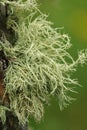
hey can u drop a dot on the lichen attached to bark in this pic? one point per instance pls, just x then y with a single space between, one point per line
39 63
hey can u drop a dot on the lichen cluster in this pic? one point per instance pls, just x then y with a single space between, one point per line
39 63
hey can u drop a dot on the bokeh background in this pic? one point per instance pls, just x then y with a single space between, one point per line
72 16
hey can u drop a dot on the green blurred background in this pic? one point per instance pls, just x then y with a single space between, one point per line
72 15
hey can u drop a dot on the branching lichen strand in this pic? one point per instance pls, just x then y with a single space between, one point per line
38 66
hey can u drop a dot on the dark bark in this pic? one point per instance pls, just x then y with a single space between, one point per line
9 33
12 122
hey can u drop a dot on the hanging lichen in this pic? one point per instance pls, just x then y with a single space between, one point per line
39 63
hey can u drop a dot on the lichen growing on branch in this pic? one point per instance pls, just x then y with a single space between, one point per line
39 64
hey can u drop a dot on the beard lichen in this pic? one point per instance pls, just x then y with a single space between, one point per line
39 63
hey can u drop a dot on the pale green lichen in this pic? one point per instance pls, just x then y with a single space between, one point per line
3 110
39 64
